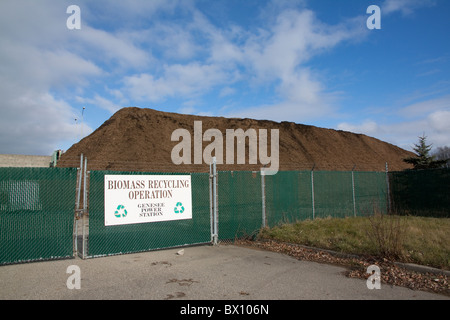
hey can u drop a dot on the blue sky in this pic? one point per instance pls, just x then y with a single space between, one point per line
311 62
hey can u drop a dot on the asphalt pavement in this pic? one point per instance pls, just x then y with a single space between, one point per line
224 272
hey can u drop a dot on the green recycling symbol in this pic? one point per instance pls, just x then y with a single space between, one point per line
179 208
121 212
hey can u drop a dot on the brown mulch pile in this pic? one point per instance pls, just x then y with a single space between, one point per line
140 139
391 274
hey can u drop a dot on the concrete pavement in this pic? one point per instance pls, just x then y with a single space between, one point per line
224 272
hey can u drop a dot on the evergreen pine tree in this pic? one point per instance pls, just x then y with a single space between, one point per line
423 160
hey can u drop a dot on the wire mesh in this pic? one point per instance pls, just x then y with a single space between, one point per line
371 193
333 196
109 240
421 192
288 197
37 207
36 213
239 194
301 195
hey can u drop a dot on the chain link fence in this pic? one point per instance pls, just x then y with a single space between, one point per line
288 197
421 192
36 213
110 240
239 204
291 196
249 200
38 207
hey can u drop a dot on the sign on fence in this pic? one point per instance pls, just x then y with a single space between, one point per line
133 199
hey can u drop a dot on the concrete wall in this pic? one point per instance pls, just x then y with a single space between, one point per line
16 160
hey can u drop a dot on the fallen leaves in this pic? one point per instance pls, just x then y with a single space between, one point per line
391 273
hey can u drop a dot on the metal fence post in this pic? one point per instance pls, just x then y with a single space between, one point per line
213 199
211 205
84 185
353 190
79 184
77 206
388 191
84 207
263 197
312 193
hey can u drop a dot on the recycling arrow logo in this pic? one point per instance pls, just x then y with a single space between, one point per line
121 212
179 208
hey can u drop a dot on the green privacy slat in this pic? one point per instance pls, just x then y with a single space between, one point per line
37 207
36 213
421 192
301 195
109 240
288 197
239 203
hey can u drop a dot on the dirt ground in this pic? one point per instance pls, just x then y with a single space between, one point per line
140 140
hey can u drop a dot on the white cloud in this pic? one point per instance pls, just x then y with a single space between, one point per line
174 42
401 132
114 48
368 127
146 58
33 120
43 61
405 7
279 54
130 11
33 68
422 108
100 102
177 80
275 54
227 91
294 39
303 99
440 122
35 123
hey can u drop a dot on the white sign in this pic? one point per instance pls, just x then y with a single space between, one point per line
145 198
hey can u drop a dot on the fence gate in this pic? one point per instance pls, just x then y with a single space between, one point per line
97 239
36 214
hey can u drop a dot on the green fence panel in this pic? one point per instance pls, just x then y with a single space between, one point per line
288 197
333 195
109 240
240 204
37 207
36 213
370 193
421 192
